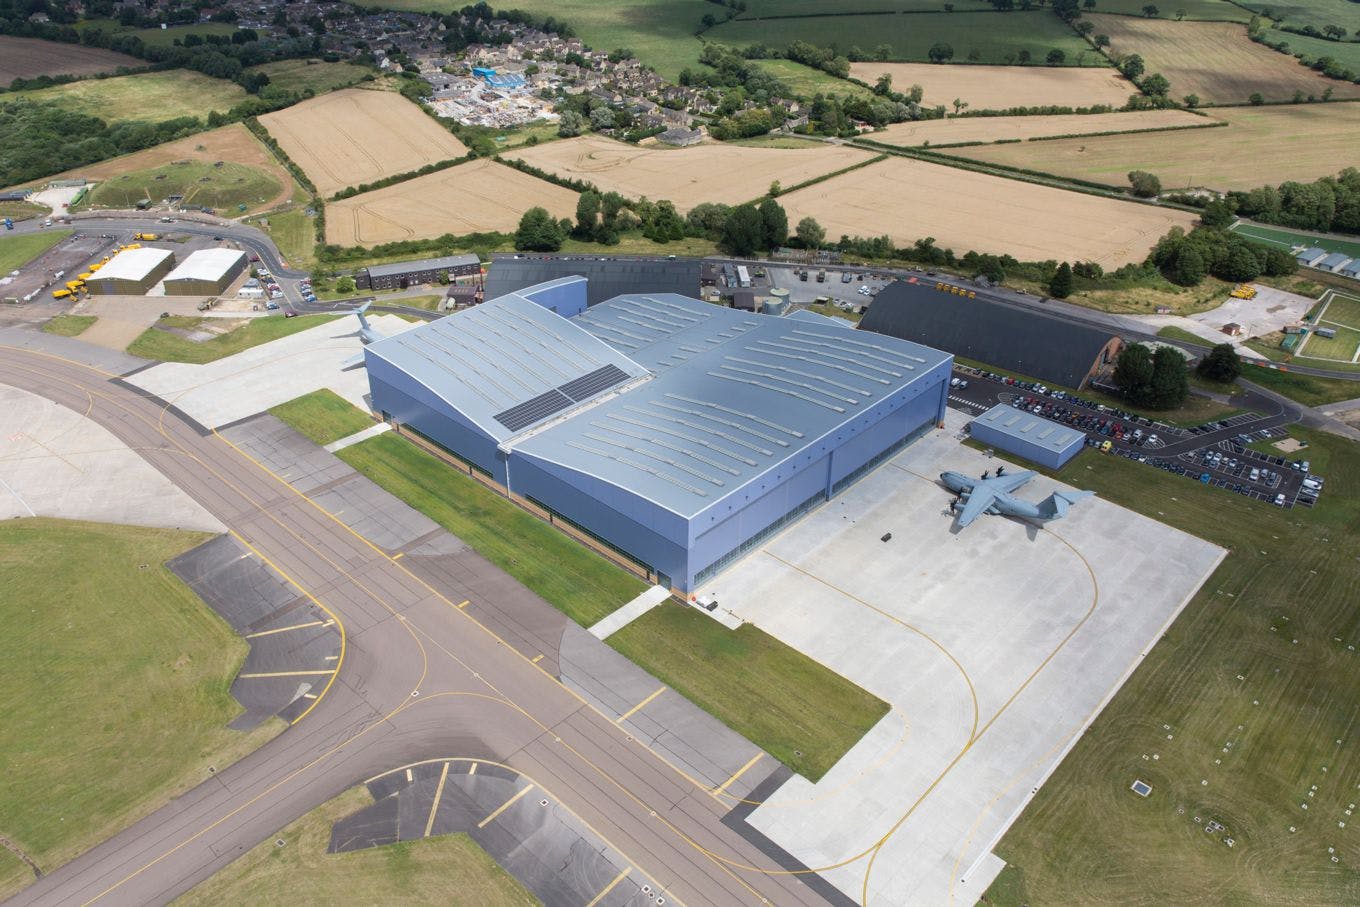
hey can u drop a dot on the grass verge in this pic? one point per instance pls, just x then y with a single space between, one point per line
1171 332
17 211
322 416
1305 389
805 715
1262 658
116 683
570 577
17 251
69 325
164 346
301 872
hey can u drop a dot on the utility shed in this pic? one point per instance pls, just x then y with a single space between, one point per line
1035 438
996 333
607 277
131 272
206 272
676 432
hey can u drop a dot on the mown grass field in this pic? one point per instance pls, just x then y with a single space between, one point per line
805 715
442 869
804 81
69 325
978 37
116 683
164 346
1346 52
322 416
293 232
1195 10
1288 239
1317 13
1306 389
159 37
316 76
1341 347
17 251
223 187
150 97
1255 690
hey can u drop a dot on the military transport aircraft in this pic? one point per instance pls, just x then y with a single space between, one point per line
993 495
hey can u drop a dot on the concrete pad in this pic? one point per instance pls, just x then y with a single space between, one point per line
56 462
1270 311
630 612
995 646
113 362
253 380
122 319
350 440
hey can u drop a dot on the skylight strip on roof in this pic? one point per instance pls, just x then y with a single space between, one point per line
679 483
817 359
736 412
537 338
439 365
793 371
720 420
469 355
423 337
835 356
702 442
778 390
867 345
803 384
637 436
652 455
676 311
841 346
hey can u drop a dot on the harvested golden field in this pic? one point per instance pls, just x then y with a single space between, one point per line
1214 60
731 174
991 129
1004 87
233 144
354 136
475 197
28 58
1260 145
909 200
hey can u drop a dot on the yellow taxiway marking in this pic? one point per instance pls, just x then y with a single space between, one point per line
310 623
536 659
464 603
290 673
610 887
399 555
503 807
629 714
438 795
741 771
472 769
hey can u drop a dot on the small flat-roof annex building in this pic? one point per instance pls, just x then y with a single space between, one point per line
206 272
423 270
676 432
1035 438
131 272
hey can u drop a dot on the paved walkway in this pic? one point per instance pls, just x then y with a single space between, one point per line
629 612
371 432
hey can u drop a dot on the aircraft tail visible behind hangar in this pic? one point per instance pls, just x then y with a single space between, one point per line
1054 507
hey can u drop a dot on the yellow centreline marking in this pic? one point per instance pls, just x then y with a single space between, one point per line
610 887
399 555
438 795
310 623
464 603
289 673
504 806
536 659
629 714
741 771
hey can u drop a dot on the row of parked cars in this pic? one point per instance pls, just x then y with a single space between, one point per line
1070 400
1089 422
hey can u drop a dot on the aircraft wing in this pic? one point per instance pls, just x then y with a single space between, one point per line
978 502
1012 481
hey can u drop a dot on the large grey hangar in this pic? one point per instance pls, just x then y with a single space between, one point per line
676 432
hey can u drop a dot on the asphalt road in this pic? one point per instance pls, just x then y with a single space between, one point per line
419 678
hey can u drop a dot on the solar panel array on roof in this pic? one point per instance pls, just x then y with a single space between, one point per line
549 403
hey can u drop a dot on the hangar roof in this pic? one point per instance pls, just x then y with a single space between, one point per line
607 277
1020 340
133 264
508 364
1027 427
206 264
735 395
422 264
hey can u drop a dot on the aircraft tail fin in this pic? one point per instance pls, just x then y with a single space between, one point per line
360 312
1054 507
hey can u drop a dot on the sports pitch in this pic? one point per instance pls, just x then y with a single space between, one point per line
1342 315
995 646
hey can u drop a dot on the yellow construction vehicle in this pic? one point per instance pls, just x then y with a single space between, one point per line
1243 291
61 294
74 284
85 275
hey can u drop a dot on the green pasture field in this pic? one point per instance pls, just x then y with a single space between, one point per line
1250 691
116 683
301 872
1200 10
17 251
315 76
323 416
1343 309
159 37
164 346
1287 239
757 9
996 37
1306 389
200 182
1345 52
149 97
804 81
660 32
1317 13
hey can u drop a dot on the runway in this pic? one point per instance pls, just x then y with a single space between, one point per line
418 678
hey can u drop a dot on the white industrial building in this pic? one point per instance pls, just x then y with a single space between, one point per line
131 272
205 273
